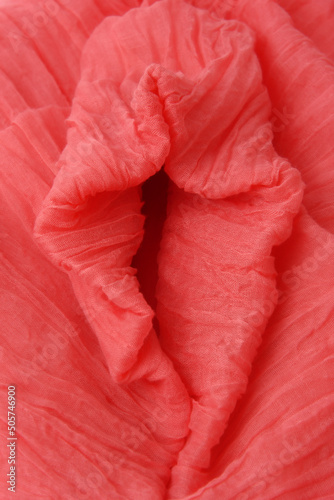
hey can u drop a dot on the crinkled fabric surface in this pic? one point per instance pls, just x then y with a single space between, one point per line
167 219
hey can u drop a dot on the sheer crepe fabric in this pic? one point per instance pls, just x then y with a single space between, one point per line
234 398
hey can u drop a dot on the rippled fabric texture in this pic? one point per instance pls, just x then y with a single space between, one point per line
167 248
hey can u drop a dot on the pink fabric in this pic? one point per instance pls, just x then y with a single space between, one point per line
167 248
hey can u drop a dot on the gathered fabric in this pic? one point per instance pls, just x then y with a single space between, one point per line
166 259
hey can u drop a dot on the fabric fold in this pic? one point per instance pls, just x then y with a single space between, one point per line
231 191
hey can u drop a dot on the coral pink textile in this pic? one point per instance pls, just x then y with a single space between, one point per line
167 218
